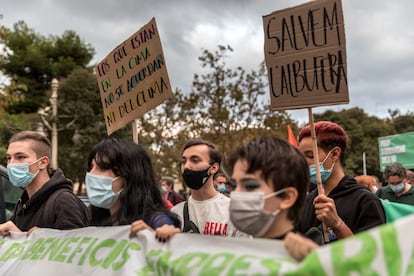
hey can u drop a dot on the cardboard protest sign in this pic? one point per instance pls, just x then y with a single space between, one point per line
133 78
305 55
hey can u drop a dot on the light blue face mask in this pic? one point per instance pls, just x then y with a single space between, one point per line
99 189
221 188
19 174
397 188
325 174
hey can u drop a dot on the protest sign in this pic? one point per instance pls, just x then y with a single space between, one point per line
397 148
133 78
385 250
305 55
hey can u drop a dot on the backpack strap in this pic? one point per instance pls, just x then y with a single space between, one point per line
189 226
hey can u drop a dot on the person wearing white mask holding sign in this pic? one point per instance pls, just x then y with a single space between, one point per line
121 187
47 200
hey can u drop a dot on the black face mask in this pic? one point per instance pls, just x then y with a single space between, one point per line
195 179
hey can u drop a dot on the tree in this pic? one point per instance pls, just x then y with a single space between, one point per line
226 106
363 132
402 122
32 61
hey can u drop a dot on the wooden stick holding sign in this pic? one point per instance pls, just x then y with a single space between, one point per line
135 131
319 184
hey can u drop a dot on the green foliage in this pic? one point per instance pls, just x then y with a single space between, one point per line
33 60
81 122
226 106
363 132
10 124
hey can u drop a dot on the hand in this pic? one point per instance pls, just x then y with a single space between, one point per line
166 232
325 211
31 230
298 246
8 227
137 226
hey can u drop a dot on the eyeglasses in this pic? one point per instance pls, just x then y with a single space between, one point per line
396 182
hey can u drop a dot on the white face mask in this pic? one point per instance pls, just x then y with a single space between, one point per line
247 212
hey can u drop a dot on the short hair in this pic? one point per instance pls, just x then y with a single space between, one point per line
214 153
410 174
280 163
219 174
395 169
329 135
366 180
169 180
42 145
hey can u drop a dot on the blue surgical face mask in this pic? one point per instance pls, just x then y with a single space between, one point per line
19 174
221 188
397 188
325 174
99 189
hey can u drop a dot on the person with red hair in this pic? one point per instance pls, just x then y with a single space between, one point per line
368 181
345 207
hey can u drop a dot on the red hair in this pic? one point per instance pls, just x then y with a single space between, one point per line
328 134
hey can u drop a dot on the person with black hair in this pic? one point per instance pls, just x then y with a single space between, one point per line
121 187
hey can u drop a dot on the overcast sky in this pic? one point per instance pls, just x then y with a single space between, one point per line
379 34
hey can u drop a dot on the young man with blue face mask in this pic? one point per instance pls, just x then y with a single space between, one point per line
397 190
47 200
345 207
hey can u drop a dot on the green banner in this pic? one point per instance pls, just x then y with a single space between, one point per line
397 148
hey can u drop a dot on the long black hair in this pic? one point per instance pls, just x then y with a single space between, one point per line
140 197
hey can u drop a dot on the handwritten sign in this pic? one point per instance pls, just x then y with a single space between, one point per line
133 78
305 55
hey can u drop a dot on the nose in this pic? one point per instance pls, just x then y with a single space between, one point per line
185 165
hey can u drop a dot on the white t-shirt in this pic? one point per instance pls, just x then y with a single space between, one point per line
211 216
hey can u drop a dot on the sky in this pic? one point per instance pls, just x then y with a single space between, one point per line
379 39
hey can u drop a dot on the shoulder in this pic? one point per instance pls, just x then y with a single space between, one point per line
65 196
64 199
178 208
223 197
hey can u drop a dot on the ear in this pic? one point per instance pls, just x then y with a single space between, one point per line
44 162
336 153
288 198
214 168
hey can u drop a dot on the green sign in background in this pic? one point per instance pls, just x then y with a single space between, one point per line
397 148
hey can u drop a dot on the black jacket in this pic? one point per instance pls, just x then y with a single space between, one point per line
53 206
357 206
